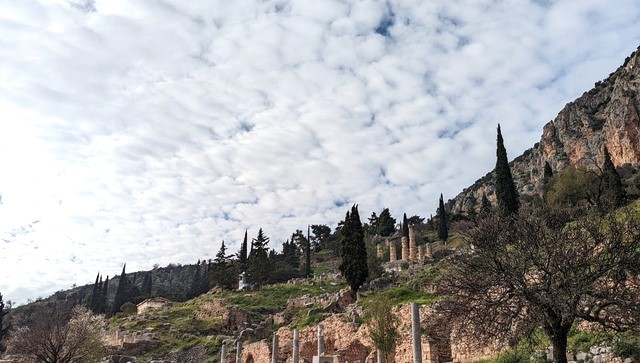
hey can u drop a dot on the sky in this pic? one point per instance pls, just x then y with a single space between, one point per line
147 132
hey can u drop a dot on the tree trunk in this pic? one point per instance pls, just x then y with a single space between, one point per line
559 340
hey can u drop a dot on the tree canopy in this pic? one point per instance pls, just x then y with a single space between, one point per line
353 251
542 269
508 202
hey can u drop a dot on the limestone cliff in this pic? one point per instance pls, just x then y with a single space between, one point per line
608 115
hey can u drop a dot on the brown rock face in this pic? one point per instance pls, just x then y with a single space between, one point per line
608 115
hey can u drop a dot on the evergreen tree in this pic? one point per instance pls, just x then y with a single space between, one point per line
405 226
506 193
485 205
547 173
321 233
258 261
3 329
386 223
196 283
95 295
222 272
242 255
613 191
372 227
147 285
353 251
122 292
307 255
103 287
443 231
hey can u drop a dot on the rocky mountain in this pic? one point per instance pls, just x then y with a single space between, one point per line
607 115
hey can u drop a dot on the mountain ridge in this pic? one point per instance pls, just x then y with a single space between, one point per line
607 115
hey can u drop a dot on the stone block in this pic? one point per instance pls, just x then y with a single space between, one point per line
322 359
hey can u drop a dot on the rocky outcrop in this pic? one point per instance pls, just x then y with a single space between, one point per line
608 115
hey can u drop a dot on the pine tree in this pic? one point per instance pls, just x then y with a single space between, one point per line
121 292
443 231
242 255
353 251
613 191
506 193
405 226
373 223
258 261
386 223
222 272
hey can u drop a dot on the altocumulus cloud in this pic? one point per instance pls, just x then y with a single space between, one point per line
148 132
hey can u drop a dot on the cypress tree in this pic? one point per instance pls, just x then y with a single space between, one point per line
405 226
93 302
102 302
443 231
3 330
547 173
196 283
121 292
242 256
307 255
485 206
613 191
353 251
506 193
147 285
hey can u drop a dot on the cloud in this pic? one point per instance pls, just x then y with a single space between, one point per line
149 132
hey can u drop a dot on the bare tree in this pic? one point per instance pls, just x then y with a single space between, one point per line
543 270
60 336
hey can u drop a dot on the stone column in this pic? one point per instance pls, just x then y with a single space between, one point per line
379 250
392 251
412 244
415 333
320 340
223 352
296 345
420 255
239 352
427 252
274 350
405 249
380 356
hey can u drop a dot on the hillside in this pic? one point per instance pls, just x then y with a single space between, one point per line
607 115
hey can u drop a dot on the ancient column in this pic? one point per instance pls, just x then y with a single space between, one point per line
379 250
274 350
412 244
239 352
392 251
320 340
380 356
427 252
223 352
296 345
420 255
405 249
415 333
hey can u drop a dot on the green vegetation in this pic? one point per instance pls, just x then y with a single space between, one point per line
275 297
508 202
401 295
